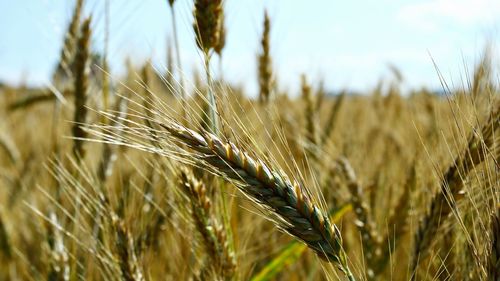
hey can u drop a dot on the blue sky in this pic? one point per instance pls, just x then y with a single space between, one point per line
348 44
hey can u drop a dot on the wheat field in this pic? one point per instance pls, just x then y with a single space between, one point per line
156 176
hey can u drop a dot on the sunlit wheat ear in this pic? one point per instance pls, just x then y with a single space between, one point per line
207 15
267 186
270 188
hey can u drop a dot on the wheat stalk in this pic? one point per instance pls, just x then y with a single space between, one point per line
179 62
169 75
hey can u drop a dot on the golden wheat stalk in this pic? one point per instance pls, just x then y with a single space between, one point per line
179 62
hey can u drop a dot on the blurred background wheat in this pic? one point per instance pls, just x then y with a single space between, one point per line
161 172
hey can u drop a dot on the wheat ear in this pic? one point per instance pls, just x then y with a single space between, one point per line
222 258
208 15
296 213
309 113
265 72
127 259
332 117
221 40
69 46
81 84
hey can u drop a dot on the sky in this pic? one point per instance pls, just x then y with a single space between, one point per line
347 44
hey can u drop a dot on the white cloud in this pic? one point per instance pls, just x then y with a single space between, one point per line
429 15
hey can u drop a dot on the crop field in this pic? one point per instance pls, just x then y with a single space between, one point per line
154 175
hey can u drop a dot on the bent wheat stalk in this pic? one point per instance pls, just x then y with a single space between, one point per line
295 212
